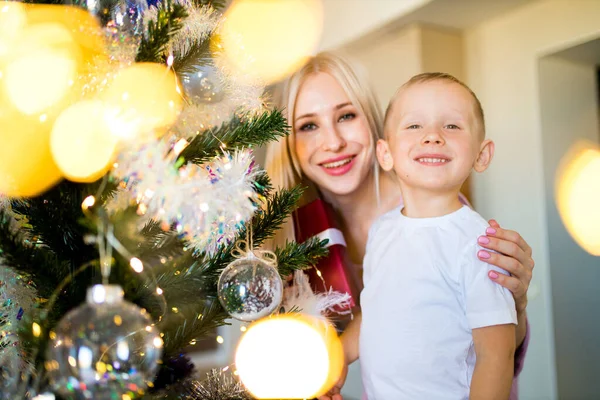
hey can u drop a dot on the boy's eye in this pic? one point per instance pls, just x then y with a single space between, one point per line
346 117
452 126
309 126
413 126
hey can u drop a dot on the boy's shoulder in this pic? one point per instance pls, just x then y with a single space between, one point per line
387 219
472 222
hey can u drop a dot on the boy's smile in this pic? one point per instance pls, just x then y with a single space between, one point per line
434 138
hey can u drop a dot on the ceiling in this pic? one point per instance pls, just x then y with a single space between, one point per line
348 21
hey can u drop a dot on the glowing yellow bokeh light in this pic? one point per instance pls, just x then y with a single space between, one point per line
50 51
270 39
12 21
33 91
26 164
311 363
578 195
81 142
142 98
43 50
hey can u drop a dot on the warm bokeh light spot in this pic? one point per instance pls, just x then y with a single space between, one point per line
270 39
578 195
81 142
311 363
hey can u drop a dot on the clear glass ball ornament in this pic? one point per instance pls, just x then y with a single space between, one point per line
202 85
250 289
103 349
122 21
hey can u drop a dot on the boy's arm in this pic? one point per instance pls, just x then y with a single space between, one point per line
350 343
350 339
494 368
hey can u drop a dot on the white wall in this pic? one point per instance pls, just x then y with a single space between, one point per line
502 67
392 57
569 112
348 20
390 60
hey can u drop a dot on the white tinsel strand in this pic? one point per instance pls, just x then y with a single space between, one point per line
298 295
197 26
205 204
4 202
241 96
201 21
17 297
219 385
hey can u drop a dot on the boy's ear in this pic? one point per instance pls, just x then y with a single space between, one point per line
384 156
486 153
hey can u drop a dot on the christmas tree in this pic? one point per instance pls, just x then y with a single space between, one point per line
172 208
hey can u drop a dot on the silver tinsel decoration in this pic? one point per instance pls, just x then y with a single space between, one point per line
205 204
17 297
219 385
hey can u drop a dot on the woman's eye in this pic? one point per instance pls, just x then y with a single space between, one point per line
347 116
309 126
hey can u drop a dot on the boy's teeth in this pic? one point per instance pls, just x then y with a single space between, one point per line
337 164
432 160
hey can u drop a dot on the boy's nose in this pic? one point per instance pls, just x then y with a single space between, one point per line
433 137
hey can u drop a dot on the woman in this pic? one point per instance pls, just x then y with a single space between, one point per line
335 122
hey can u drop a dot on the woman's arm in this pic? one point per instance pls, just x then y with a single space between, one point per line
513 254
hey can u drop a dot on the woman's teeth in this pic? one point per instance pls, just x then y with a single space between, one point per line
432 160
337 164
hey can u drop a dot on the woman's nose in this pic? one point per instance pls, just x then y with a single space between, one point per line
332 140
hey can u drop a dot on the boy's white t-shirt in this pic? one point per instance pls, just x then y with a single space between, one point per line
424 291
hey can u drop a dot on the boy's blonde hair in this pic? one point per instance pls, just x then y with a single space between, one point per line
430 77
281 162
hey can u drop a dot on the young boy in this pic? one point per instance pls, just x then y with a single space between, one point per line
433 325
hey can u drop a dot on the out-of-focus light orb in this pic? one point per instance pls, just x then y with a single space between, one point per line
268 39
53 46
43 49
81 143
578 195
12 21
26 164
142 99
309 366
32 88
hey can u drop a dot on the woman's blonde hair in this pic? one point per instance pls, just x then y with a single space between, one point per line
281 162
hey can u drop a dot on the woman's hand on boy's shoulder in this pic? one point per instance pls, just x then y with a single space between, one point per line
513 254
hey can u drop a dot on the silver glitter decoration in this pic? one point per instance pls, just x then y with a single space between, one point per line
219 385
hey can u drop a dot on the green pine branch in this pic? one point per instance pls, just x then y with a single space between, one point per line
181 327
198 55
216 4
262 183
296 256
168 23
54 219
36 261
237 134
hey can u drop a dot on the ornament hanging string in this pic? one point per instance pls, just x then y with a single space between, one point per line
244 249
